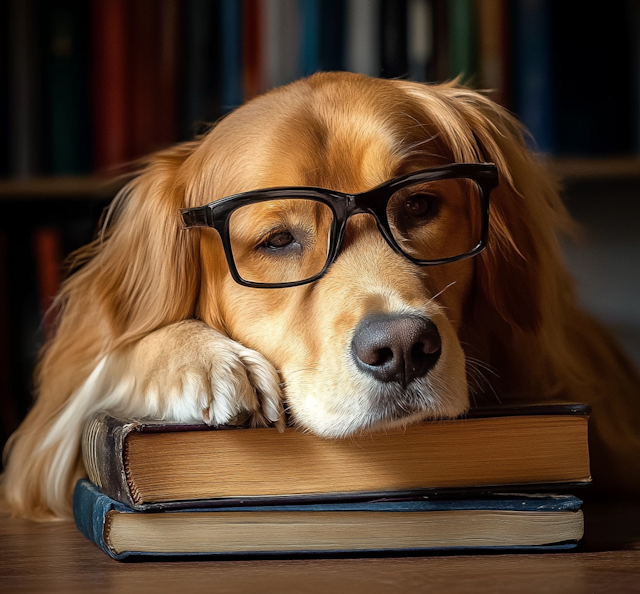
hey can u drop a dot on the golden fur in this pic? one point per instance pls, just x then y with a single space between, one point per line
153 325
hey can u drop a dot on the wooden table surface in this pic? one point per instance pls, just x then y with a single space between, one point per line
54 557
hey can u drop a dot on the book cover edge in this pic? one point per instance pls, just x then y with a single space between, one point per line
520 409
104 455
90 509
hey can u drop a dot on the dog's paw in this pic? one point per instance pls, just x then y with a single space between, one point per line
189 372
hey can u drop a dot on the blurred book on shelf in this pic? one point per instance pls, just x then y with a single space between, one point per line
110 89
494 49
65 86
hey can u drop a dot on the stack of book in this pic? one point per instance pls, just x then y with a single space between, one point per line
497 479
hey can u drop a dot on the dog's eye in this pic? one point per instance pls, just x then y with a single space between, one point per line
418 206
279 240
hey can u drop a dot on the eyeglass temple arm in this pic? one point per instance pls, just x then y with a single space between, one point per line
196 217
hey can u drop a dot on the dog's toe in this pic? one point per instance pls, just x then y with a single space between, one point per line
242 386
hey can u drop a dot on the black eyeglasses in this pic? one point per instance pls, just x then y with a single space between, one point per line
283 237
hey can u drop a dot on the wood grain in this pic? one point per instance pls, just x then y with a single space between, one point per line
55 557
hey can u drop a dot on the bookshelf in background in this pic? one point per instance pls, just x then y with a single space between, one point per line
87 85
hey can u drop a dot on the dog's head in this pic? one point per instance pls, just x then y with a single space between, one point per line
377 340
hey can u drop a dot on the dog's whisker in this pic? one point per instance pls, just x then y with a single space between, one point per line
475 382
477 379
443 290
483 365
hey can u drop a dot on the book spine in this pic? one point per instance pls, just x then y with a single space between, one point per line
634 26
506 59
491 54
281 33
363 41
25 88
393 39
591 124
5 94
232 59
439 69
309 36
420 38
332 33
9 417
202 98
103 454
110 83
47 249
462 47
65 48
144 83
169 54
533 81
252 44
90 509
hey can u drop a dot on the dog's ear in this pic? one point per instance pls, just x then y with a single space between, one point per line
516 269
509 272
142 268
140 274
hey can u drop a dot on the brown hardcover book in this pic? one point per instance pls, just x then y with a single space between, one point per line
156 466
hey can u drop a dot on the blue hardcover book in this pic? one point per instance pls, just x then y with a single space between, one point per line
500 523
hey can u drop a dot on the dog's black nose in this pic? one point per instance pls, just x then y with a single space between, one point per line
396 348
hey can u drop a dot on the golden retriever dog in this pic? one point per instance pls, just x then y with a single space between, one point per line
366 291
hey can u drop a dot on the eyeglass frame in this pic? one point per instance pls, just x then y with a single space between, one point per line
343 205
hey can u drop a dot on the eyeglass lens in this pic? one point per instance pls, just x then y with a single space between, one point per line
436 220
288 240
280 241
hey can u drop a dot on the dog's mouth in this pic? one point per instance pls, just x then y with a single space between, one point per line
380 405
427 397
